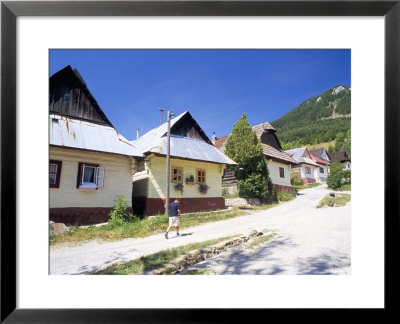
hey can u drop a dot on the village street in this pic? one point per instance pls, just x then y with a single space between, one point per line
308 240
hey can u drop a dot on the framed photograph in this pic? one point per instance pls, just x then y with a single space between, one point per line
30 29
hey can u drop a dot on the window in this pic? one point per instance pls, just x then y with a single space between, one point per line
54 173
200 176
321 170
308 170
176 174
282 172
90 176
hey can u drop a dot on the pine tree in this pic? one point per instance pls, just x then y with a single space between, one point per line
251 170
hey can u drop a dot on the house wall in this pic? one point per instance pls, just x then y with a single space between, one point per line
68 204
307 178
156 187
320 177
191 199
274 174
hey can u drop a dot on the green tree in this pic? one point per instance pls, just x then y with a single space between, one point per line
338 177
339 141
251 170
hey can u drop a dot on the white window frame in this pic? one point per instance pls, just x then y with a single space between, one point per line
99 173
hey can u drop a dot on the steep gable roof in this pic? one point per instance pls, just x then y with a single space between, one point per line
268 150
155 141
259 128
301 155
63 83
321 153
318 160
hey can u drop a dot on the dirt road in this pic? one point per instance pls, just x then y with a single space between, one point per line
307 241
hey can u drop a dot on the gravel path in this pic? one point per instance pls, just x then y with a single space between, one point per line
308 241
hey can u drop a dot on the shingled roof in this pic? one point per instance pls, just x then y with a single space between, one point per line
259 128
273 153
268 150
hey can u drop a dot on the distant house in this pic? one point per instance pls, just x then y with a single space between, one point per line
321 157
321 153
279 163
342 158
192 155
320 172
90 163
305 164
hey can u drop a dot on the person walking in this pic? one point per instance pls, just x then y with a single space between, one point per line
174 213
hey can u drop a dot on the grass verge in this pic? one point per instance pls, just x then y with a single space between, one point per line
337 201
345 187
259 240
139 228
157 260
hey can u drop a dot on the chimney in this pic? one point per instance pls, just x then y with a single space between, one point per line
137 134
161 113
214 138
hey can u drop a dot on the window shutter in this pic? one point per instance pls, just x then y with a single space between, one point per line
80 174
100 177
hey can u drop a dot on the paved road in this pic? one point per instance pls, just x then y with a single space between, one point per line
308 241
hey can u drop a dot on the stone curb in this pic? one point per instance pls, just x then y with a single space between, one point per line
193 257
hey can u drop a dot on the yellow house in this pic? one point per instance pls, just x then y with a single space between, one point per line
90 163
196 169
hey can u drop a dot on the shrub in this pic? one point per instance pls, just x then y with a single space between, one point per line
119 215
296 180
285 195
338 177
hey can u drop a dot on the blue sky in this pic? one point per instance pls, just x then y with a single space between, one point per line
216 86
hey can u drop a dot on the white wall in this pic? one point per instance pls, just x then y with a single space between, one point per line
117 178
306 175
273 168
156 186
320 177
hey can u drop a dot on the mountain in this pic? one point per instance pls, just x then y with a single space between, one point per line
317 120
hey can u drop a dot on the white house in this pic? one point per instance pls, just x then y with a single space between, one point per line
306 166
90 163
279 163
321 171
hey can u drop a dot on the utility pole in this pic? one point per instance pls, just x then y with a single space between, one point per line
168 162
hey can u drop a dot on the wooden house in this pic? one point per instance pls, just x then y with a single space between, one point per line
196 168
90 163
305 164
279 163
342 158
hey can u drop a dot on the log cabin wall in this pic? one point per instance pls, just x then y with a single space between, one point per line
269 138
69 96
188 127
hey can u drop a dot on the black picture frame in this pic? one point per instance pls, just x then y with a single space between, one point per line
10 10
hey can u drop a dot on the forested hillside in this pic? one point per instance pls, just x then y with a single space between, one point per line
317 120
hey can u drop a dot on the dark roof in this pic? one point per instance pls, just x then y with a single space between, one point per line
221 142
273 153
317 152
268 150
72 77
340 156
318 159
259 128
